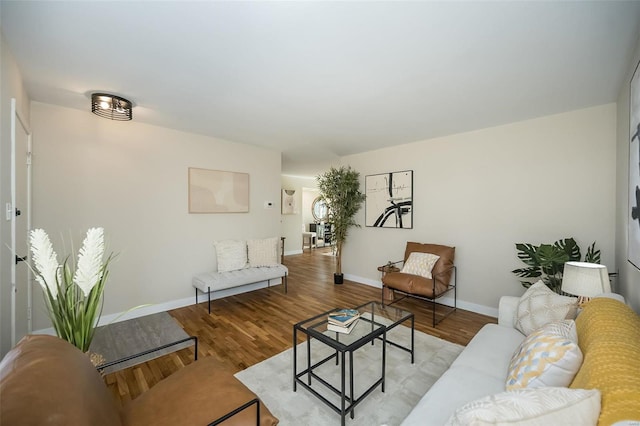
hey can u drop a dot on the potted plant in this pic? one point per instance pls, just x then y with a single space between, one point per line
546 261
72 290
340 189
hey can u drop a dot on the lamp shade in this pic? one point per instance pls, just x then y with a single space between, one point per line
585 279
111 106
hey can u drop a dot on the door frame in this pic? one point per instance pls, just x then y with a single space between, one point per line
17 118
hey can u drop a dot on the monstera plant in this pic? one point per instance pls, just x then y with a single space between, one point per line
546 261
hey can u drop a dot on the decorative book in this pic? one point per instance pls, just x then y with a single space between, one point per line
342 329
343 317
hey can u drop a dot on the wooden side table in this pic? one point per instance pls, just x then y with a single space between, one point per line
387 293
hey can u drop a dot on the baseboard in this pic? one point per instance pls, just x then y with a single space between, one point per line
144 310
290 252
467 306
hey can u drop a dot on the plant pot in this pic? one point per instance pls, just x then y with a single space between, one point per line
338 278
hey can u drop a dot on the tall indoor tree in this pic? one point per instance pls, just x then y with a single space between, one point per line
340 189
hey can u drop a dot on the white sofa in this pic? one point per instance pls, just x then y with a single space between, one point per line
602 391
231 257
480 370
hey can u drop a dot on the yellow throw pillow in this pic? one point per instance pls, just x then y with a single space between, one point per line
609 336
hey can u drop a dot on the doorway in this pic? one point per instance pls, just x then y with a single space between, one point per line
20 214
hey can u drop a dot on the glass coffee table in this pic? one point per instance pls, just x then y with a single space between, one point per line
375 321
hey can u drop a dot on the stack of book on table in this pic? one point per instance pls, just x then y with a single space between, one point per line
342 320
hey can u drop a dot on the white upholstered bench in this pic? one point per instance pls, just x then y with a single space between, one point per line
240 263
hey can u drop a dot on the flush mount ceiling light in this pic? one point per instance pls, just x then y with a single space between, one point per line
111 106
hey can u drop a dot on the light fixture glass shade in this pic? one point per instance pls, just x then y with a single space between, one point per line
585 279
111 106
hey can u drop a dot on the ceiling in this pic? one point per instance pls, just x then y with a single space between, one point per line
320 80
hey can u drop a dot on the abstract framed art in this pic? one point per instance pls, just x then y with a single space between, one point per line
634 169
216 191
289 201
389 202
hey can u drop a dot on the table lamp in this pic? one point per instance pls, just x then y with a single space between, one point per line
585 280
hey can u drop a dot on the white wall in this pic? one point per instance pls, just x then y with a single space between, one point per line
629 278
131 178
11 86
533 181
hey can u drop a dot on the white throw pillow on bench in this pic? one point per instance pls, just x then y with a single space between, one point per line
231 255
263 252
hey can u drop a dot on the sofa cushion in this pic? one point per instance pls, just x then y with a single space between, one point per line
45 380
263 252
539 305
420 264
215 281
529 407
491 350
609 336
231 255
480 370
549 356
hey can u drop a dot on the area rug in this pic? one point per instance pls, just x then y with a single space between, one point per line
406 383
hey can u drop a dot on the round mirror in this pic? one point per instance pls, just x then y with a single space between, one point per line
319 210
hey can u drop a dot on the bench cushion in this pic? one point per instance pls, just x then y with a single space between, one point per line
222 280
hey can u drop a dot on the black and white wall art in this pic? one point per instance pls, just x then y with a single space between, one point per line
634 169
389 202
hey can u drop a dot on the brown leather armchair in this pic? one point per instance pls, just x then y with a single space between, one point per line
442 282
45 380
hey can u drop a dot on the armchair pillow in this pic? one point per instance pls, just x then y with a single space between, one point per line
539 305
443 268
420 264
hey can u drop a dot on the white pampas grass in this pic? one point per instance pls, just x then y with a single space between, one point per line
89 269
46 261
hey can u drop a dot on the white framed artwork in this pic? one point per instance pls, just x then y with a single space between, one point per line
389 202
217 191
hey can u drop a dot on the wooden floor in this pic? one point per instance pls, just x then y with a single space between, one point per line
248 328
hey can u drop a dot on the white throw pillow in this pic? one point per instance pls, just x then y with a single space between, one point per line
263 252
549 356
532 407
231 255
539 305
420 264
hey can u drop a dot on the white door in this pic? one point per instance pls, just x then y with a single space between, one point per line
21 222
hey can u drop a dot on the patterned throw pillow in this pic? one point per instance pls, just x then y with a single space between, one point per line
420 264
539 305
529 407
549 356
263 252
231 255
